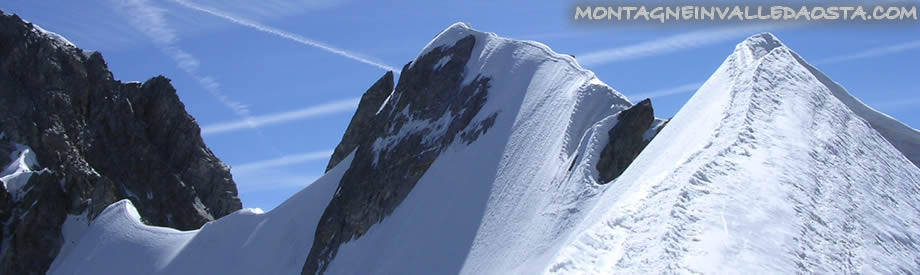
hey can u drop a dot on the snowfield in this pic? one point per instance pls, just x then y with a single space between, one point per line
768 169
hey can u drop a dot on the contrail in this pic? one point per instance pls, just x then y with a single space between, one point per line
150 21
285 34
686 88
312 111
261 181
282 161
873 52
667 45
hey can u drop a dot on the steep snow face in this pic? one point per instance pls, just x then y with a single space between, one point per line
901 136
765 170
245 242
499 203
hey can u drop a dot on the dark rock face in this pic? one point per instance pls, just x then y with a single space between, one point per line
360 123
100 141
626 140
429 108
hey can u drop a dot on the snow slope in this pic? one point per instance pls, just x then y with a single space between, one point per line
764 170
492 205
482 208
245 242
901 136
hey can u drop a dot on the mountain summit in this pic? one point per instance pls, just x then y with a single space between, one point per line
479 134
494 156
767 169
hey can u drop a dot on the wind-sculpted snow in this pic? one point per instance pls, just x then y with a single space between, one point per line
245 242
501 202
901 136
520 160
764 170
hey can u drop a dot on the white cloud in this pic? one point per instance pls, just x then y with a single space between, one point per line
271 180
873 52
286 35
667 45
281 161
681 89
150 21
347 105
269 9
184 60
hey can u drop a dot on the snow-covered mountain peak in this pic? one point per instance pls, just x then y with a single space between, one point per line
497 156
762 42
466 98
493 142
903 137
765 54
491 49
766 169
448 36
756 47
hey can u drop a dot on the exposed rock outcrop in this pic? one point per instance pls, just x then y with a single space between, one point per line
95 141
363 118
429 108
626 140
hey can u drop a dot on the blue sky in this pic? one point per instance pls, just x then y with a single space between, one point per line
295 68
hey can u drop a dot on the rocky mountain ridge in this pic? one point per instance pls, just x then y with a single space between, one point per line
495 156
398 132
74 140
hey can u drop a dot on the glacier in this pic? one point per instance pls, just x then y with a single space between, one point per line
768 168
